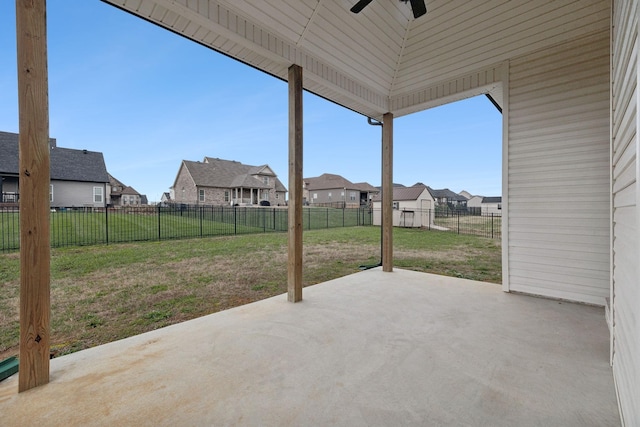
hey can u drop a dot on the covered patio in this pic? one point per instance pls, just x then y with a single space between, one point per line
386 347
373 348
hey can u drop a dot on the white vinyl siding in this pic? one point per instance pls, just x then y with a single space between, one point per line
558 171
626 289
71 194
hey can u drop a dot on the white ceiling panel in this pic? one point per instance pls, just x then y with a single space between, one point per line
382 59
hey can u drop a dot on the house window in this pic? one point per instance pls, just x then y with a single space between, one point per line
50 192
277 196
226 195
315 195
396 205
265 180
265 195
352 196
97 194
201 195
329 196
500 206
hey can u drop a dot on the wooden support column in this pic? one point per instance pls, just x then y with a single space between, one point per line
387 192
33 106
294 267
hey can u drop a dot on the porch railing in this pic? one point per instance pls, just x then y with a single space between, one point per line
9 197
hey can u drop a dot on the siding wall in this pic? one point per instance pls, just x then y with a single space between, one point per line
558 187
626 289
76 194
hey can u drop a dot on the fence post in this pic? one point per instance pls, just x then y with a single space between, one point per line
343 216
235 220
458 222
274 219
159 226
106 224
264 221
201 214
327 218
492 225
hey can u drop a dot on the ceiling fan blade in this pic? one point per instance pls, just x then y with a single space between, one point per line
419 8
360 5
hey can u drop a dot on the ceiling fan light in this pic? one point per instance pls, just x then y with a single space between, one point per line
419 8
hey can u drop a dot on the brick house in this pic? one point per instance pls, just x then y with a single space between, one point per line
123 195
226 182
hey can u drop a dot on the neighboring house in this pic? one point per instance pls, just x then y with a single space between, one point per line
226 182
367 188
466 195
78 177
447 197
123 195
334 190
165 199
474 203
492 205
412 207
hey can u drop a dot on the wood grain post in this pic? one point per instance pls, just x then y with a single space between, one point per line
294 267
33 106
387 192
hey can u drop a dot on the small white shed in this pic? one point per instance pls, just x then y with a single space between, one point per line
491 205
412 207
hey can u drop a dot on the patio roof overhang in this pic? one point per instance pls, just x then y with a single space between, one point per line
380 63
381 60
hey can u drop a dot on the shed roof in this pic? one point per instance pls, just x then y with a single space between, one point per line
404 193
497 199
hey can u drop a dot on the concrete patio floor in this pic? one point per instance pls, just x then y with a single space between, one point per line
370 349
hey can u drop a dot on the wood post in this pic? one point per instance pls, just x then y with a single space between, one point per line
33 100
294 267
387 192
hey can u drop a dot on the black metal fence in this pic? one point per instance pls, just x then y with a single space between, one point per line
90 226
484 224
487 224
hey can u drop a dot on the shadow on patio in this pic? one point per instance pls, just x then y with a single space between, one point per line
373 348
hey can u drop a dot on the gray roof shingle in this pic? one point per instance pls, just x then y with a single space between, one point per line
404 193
214 172
497 199
66 164
446 193
328 181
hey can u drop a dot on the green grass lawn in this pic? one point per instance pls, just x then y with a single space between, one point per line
108 292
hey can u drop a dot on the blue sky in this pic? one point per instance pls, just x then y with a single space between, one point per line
148 99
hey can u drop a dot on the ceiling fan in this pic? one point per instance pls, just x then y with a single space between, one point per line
417 6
